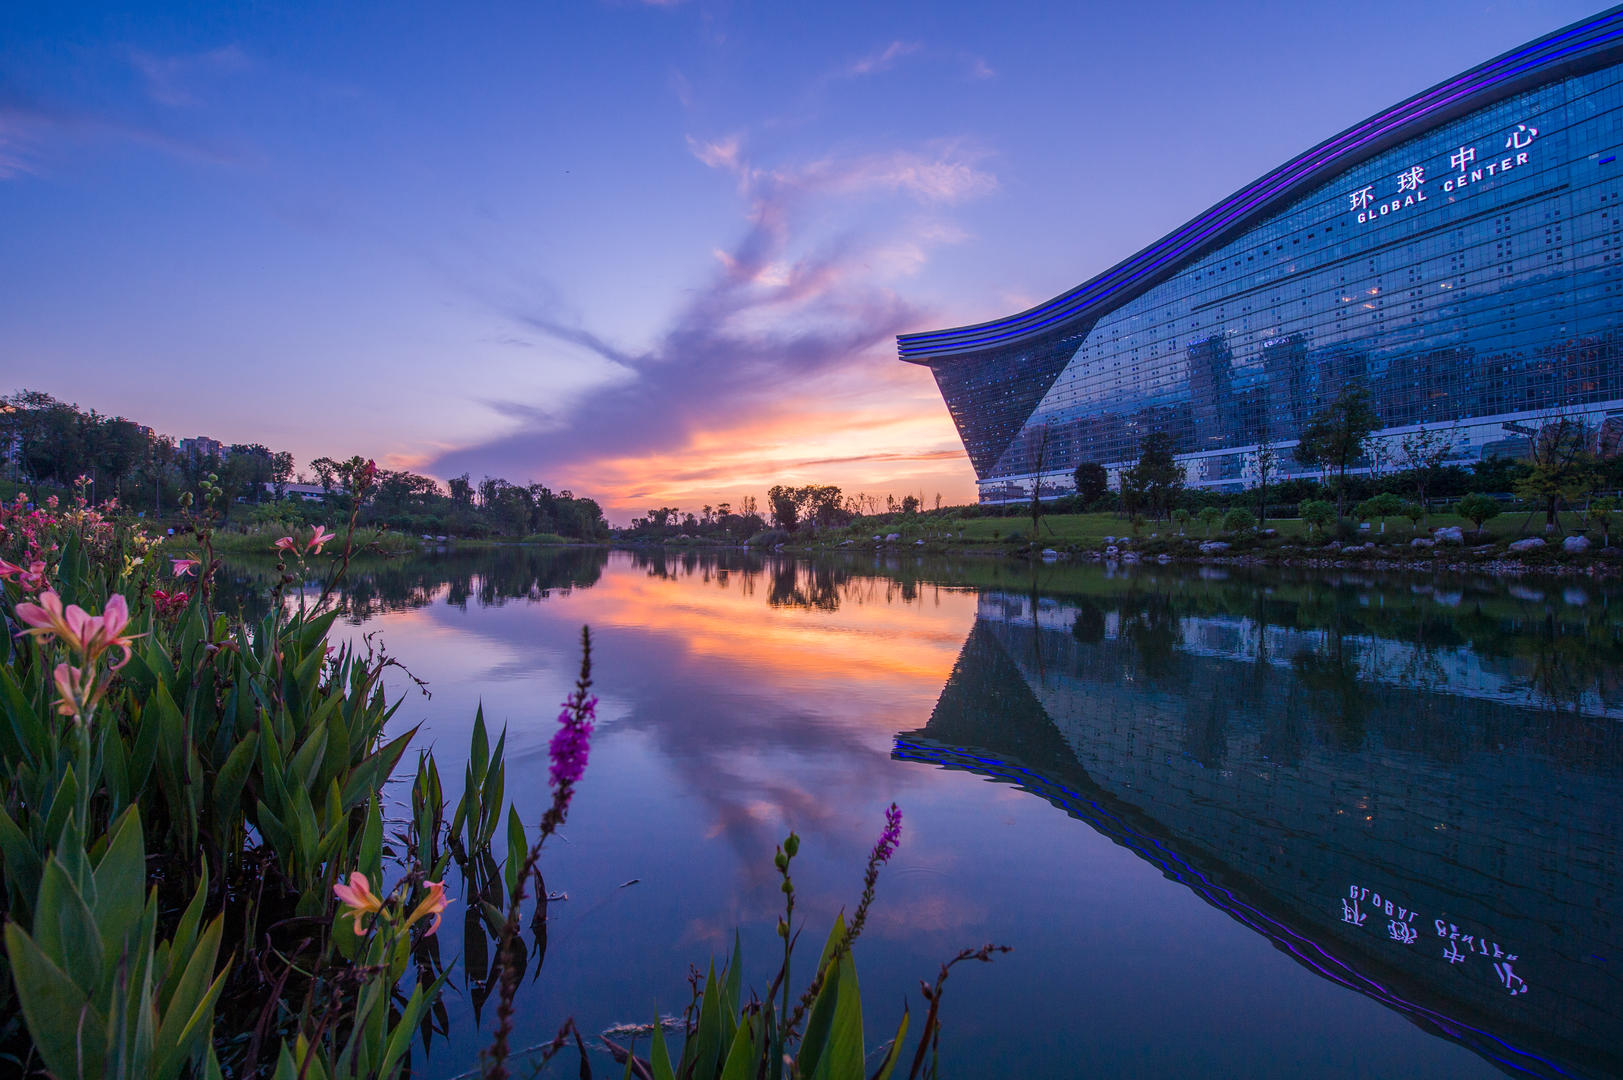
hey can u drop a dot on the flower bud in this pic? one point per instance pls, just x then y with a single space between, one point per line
791 846
783 929
787 886
780 860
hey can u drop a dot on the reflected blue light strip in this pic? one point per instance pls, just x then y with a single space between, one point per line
1299 172
1175 866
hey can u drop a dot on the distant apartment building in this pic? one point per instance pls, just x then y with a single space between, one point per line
201 446
307 492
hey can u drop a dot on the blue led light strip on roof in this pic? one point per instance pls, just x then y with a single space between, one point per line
1309 168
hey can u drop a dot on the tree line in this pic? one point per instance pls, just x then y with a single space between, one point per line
788 510
48 443
1564 464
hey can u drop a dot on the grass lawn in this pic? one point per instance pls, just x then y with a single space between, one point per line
1090 529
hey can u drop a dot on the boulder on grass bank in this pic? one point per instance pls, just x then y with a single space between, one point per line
1532 543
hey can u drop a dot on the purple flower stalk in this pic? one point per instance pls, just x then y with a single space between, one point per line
886 847
571 742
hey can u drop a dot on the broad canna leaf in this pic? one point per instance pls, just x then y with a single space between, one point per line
60 1017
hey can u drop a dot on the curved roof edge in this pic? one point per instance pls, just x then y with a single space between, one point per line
1583 46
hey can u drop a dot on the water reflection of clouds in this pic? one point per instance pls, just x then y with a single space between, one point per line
728 691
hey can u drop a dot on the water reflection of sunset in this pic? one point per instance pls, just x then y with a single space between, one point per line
872 636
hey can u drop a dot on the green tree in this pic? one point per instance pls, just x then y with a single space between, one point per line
1262 463
1209 517
461 492
1317 514
1335 436
784 507
1041 452
1092 481
1157 478
1380 507
1478 509
1560 468
1598 514
1181 518
1239 520
1422 453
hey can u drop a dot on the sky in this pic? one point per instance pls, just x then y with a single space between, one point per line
652 252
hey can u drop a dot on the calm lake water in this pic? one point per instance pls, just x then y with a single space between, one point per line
1232 825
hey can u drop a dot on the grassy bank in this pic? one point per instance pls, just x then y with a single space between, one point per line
1280 539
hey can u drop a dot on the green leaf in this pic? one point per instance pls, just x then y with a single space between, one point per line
189 1018
479 745
707 1040
743 1055
121 879
59 1014
233 775
842 1052
369 776
659 1055
22 864
894 1054
302 769
65 929
518 849
732 987
185 936
404 1030
369 857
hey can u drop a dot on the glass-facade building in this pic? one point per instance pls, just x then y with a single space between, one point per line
1460 256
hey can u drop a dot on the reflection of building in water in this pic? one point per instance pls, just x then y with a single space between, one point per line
1455 670
1425 843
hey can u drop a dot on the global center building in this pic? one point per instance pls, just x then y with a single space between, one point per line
1459 256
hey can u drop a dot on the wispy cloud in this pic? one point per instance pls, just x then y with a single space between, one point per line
947 171
173 80
28 127
16 143
793 303
881 60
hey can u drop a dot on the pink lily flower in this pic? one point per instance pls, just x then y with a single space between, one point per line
89 635
284 544
9 570
184 567
47 619
432 904
319 539
106 631
70 686
358 898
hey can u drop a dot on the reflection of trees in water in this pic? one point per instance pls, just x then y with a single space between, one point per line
490 576
1150 624
789 582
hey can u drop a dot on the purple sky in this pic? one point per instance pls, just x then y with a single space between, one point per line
651 252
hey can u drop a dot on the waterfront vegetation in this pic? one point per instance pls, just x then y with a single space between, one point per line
202 875
49 446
